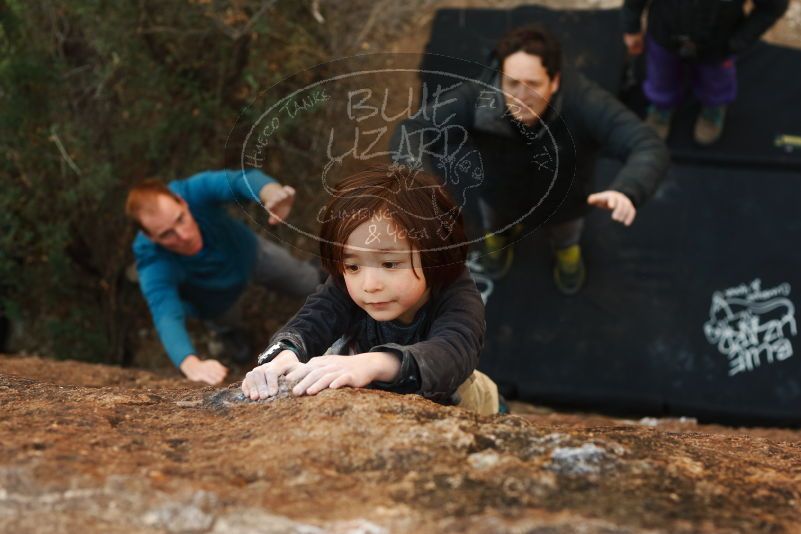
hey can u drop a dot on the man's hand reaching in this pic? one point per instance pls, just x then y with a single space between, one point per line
623 211
208 371
277 200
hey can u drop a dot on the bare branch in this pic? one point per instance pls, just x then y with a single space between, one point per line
54 137
256 16
235 34
315 11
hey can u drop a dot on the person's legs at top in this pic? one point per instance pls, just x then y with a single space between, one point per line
715 86
664 85
278 270
569 270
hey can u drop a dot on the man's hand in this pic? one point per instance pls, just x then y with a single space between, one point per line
262 382
623 211
634 43
339 371
208 371
277 200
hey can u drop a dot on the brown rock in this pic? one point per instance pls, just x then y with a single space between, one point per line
149 454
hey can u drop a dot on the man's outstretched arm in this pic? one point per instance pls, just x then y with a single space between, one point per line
159 288
623 135
238 185
277 199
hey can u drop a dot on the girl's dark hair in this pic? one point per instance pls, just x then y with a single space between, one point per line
415 201
535 40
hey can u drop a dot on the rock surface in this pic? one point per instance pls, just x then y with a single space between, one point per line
97 449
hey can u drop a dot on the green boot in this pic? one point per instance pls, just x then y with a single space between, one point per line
497 256
569 272
494 259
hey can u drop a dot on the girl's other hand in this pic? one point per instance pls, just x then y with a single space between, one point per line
336 371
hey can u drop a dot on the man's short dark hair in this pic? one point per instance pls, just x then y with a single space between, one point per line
535 40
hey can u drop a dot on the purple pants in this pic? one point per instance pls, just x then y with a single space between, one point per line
714 84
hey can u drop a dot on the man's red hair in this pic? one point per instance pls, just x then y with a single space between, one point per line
144 194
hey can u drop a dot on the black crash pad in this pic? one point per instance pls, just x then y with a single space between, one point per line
691 311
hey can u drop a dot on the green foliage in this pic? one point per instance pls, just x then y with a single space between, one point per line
95 95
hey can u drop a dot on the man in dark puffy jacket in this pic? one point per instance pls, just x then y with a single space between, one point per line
521 149
702 36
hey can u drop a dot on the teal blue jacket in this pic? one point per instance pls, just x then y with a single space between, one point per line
207 284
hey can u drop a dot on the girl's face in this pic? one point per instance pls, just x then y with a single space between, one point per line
378 271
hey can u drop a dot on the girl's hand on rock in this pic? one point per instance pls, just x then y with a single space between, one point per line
336 371
262 382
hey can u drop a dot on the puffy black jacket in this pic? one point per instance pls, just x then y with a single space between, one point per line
472 142
704 29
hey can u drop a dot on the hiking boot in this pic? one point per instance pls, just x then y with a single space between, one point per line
497 256
659 120
494 258
709 125
569 271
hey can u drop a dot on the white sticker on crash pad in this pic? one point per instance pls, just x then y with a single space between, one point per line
752 326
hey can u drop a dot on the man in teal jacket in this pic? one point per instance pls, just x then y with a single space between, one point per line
194 260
